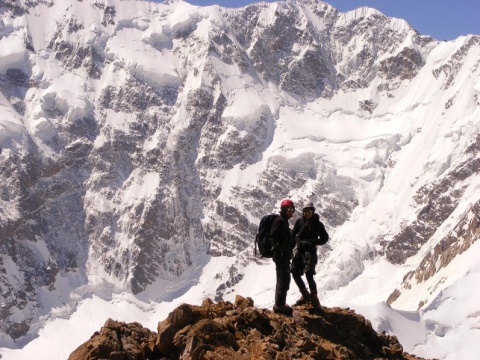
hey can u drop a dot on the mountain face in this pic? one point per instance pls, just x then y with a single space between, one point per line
140 140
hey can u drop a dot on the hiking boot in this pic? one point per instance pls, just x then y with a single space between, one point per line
282 309
314 301
304 299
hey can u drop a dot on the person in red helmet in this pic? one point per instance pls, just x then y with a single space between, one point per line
282 246
308 232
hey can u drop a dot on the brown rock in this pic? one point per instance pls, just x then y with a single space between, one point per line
117 340
179 318
242 302
241 331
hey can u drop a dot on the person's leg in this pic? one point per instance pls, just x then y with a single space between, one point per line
283 282
305 298
313 288
311 281
282 286
299 281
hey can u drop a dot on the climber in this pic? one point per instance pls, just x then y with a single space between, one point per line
308 232
282 245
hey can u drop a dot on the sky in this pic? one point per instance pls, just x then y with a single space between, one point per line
441 19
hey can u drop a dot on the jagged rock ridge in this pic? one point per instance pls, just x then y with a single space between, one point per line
241 331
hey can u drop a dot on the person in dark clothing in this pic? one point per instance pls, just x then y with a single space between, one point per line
308 232
282 245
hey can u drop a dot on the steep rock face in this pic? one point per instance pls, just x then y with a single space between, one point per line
125 157
436 204
459 240
440 206
242 331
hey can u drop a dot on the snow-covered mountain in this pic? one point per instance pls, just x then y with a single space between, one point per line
141 143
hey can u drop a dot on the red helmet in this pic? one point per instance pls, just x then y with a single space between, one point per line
287 202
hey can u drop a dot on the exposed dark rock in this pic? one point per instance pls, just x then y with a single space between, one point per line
17 77
109 15
134 96
457 241
404 65
13 7
241 331
453 66
117 340
367 105
438 201
74 56
74 25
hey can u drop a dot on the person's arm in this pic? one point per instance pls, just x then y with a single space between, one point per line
321 232
275 237
295 228
295 232
322 235
275 232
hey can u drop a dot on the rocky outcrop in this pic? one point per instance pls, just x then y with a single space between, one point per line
457 241
452 67
437 201
241 331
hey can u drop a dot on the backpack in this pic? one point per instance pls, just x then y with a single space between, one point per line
262 241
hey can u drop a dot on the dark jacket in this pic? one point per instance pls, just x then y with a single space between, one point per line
309 233
281 237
